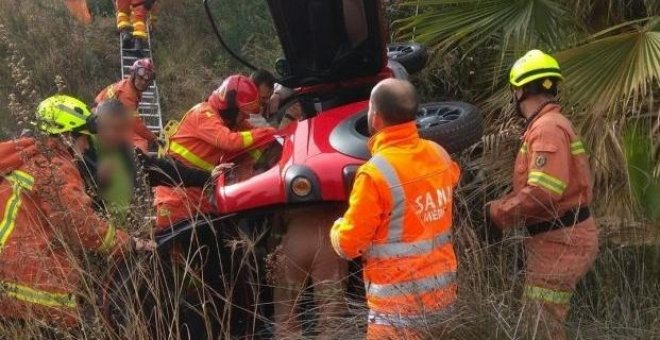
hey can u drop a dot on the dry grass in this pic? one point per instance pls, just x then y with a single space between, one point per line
619 299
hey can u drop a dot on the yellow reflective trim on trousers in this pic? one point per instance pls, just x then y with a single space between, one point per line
546 181
20 180
190 157
108 239
123 20
247 138
523 148
548 295
577 148
39 297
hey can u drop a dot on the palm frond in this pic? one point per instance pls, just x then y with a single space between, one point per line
605 73
446 24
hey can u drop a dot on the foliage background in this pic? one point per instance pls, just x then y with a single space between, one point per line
610 53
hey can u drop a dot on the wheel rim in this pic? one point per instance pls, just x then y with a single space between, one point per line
429 117
397 51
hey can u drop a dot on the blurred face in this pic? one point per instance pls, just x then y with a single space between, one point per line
114 131
143 79
265 92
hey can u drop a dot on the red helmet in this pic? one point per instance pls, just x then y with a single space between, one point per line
143 66
236 92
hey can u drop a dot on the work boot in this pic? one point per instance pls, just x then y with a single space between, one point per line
126 38
139 45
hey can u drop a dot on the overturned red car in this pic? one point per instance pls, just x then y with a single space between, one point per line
335 51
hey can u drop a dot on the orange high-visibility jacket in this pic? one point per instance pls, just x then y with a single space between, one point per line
551 174
46 223
127 94
79 10
399 221
201 140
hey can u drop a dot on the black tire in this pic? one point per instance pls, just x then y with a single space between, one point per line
412 56
454 125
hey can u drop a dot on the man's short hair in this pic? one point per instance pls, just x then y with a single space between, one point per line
395 101
111 107
261 76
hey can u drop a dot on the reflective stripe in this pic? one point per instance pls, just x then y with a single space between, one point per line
546 181
403 249
577 148
411 288
108 239
248 139
523 148
190 157
398 320
110 91
548 295
395 228
40 297
20 180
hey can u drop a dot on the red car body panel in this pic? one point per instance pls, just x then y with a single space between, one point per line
305 143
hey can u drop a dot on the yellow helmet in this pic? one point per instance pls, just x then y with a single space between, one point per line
60 114
532 66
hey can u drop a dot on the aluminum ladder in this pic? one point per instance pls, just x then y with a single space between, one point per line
149 108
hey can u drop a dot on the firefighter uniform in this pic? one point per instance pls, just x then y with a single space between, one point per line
125 92
134 14
46 221
201 140
551 195
400 221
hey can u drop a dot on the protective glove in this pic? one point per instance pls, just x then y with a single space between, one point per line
492 233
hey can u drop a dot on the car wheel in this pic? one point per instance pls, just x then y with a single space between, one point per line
454 125
412 56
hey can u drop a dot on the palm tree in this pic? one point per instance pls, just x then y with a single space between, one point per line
610 55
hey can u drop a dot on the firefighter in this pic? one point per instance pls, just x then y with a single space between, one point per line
206 134
132 16
47 223
399 220
129 92
111 166
552 191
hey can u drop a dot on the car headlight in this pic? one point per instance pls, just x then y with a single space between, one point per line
301 186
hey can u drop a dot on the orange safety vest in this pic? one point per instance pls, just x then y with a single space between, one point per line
399 221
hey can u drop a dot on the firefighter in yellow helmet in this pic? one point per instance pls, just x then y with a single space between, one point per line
46 219
552 191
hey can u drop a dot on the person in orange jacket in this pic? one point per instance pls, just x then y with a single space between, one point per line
207 132
399 220
47 221
132 21
129 92
552 191
79 10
